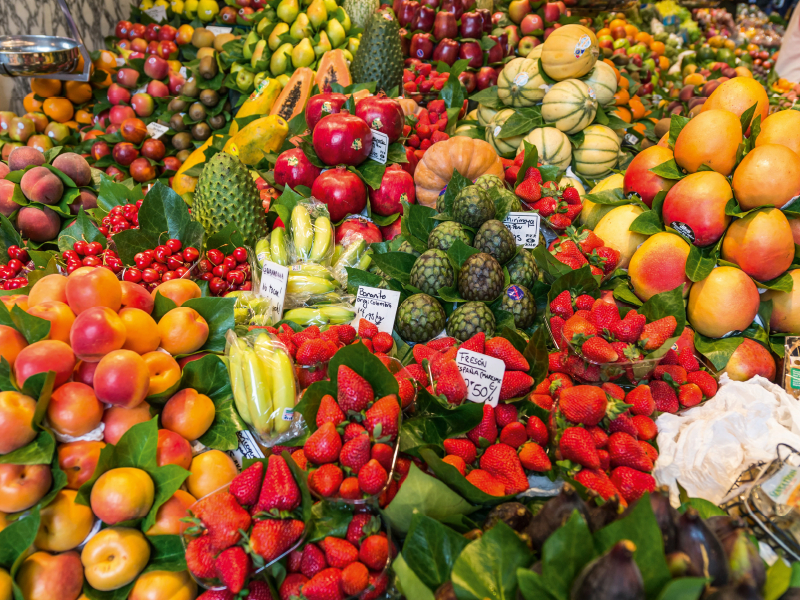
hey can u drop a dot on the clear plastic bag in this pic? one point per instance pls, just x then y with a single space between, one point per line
272 248
322 314
310 233
353 253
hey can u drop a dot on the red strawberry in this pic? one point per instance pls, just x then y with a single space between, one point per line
438 362
222 594
529 191
338 552
561 305
501 348
705 382
534 458
450 384
502 461
476 343
259 590
604 314
656 333
486 431
669 358
232 567
651 452
688 361
605 459
331 336
367 344
223 517
622 423
367 329
299 458
571 195
378 580
406 389
457 462
355 578
374 552
645 427
271 538
346 333
613 390
577 445
537 430
352 430
599 435
628 330
532 173
545 206
560 382
584 302
246 485
641 400
422 352
690 395
577 325
382 419
295 561
676 372
417 373
557 361
200 557
355 453
560 220
626 452
355 392
326 480
664 396
280 491
314 351
324 445
309 333
583 404
442 344
329 411
597 350
543 387
325 585
311 375
505 414
384 454
312 561
286 340
608 258
598 481
486 482
513 434
557 327
291 586
372 477
515 384
382 342
361 526
461 447
349 489
632 484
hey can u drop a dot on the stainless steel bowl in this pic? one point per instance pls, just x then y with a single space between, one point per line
36 55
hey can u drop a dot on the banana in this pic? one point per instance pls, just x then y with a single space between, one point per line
304 284
262 252
235 370
302 231
336 315
305 316
323 234
258 392
312 270
282 380
277 246
364 262
337 252
351 254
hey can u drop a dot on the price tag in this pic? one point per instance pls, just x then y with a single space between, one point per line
219 30
183 72
380 147
157 13
248 448
525 228
483 374
156 130
630 140
120 61
377 306
273 286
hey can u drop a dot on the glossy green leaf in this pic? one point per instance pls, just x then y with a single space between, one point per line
532 586
647 223
84 229
32 328
668 170
687 588
407 581
676 124
167 481
779 577
718 351
431 549
165 214
565 553
395 264
329 519
16 538
701 261
166 553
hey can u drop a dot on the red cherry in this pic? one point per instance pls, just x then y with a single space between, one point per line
133 275
230 262
215 256
191 254
206 276
181 271
246 286
91 261
150 275
174 245
94 248
12 251
22 255
161 253
161 268
173 263
169 275
79 247
218 286
220 270
142 260
236 277
240 254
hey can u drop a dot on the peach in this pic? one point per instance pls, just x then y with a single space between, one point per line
8 206
84 372
24 156
135 296
22 486
86 201
11 344
74 410
44 356
768 175
761 243
191 358
794 223
38 224
169 514
114 557
44 576
172 449
16 421
210 471
64 523
188 413
659 265
93 286
122 494
782 127
639 178
122 379
13 300
164 585
48 288
785 306
164 371
118 420
60 316
78 460
183 331
97 331
75 167
141 331
711 138
727 300
40 184
178 290
696 204
748 360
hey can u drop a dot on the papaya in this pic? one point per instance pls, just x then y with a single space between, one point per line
183 184
292 100
333 68
262 136
260 102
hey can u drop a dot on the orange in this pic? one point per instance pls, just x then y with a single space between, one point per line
79 67
617 23
693 79
631 29
59 109
663 63
31 104
78 92
104 83
623 83
106 61
657 48
84 117
71 124
623 113
45 88
621 97
603 31
637 108
639 127
643 37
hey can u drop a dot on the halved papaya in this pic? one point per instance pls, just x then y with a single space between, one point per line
292 100
333 68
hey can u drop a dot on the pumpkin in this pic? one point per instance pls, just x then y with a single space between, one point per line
553 146
569 52
603 80
598 153
520 83
570 105
505 147
472 158
485 115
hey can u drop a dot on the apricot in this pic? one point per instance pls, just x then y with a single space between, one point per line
122 494
173 449
639 178
188 413
64 523
659 265
164 585
178 290
119 420
60 316
13 300
785 306
74 410
96 332
135 296
122 379
169 514
748 360
794 223
40 184
737 95
782 127
16 421
6 583
697 202
93 286
164 371
761 243
78 460
8 206
210 471
11 344
22 486
711 138
768 175
84 372
75 167
114 557
727 300
24 156
43 576
141 331
48 288
183 331
44 356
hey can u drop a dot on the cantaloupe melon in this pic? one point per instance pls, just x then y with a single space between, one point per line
520 83
553 146
570 105
598 153
569 51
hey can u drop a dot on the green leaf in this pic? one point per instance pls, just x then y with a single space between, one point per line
167 481
536 354
371 171
132 241
458 252
577 281
166 553
612 197
779 576
548 263
487 98
676 124
705 508
747 116
718 351
8 237
161 306
452 477
701 261
487 568
687 588
366 364
113 194
395 264
137 446
782 283
531 160
417 219
38 452
228 237
662 305
103 464
668 170
532 585
521 122
218 313
431 549
118 594
457 183
565 553
33 328
83 228
407 581
647 223
165 214
16 538
329 519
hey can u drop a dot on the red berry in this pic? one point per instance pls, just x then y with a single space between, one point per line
79 247
161 253
94 248
150 275
142 260
173 263
240 254
174 245
191 254
220 270
235 276
133 275
169 275
218 286
91 261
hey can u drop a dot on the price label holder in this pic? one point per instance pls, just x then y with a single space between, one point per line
483 374
248 448
274 278
157 13
219 30
156 130
380 147
524 226
377 306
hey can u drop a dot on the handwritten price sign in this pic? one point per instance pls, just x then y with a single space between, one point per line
376 306
274 278
483 374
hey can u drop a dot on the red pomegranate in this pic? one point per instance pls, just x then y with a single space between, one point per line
391 231
397 186
342 139
321 105
382 114
361 226
342 191
293 168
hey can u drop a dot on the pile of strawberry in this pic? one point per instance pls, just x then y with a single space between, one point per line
236 531
559 206
421 78
342 567
577 248
426 127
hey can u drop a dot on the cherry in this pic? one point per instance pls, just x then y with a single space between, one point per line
150 275
208 276
230 262
160 268
94 248
79 247
173 263
174 245
240 254
181 271
220 270
92 261
215 256
191 254
15 265
217 286
205 265
169 275
161 253
142 260
236 277
133 275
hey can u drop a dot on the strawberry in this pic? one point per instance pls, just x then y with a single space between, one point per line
561 305
286 340
533 457
626 452
502 461
417 373
641 400
505 414
355 392
510 175
461 447
299 458
309 333
613 390
628 330
200 557
657 332
605 459
338 552
329 411
577 445
515 384
349 489
258 590
545 206
649 450
232 567
346 333
285 328
669 358
583 314
501 348
486 431
223 517
604 314
406 389
632 484
438 362
557 361
513 434
314 351
537 430
311 375
246 485
372 477
457 462
355 579
560 382
325 585
352 430
326 480
450 384
384 454
280 491
222 594
367 329
597 350
622 423
374 552
361 526
705 381
476 343
532 173
273 537
688 361
664 397
599 436
486 482
598 481
560 220
312 560
608 258
542 400
382 342
355 453
690 395
577 325
422 352
382 419
587 240
583 404
291 586
584 302
676 372
295 561
379 581
571 195
442 344
331 336
324 445
529 191
563 248
645 427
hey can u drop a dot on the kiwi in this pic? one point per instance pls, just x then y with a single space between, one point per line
182 141
661 127
209 97
201 132
197 112
177 105
202 38
190 88
217 121
183 155
208 67
176 123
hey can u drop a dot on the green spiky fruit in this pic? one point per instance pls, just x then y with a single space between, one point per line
432 271
480 278
512 200
444 234
473 207
226 193
407 248
359 11
420 318
494 238
469 319
487 182
379 56
518 300
522 269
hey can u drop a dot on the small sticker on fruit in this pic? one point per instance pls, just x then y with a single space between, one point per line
326 107
521 79
497 130
356 144
515 292
376 124
292 161
683 229
584 43
403 197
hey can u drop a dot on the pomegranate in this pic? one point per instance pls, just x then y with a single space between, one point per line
341 190
397 187
382 114
293 168
321 105
361 226
389 232
342 139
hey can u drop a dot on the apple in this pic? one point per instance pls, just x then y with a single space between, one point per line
118 94
471 25
143 104
124 153
495 53
119 113
472 52
408 12
446 50
151 32
469 80
445 26
517 9
167 49
424 19
127 78
486 78
167 33
422 45
176 82
122 30
531 23
526 45
153 149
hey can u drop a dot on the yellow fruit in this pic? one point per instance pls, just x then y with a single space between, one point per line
190 8
146 4
207 10
177 6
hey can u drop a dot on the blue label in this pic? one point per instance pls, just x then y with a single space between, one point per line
515 292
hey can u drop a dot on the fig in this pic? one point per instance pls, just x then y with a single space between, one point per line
554 514
743 557
613 576
445 592
514 514
600 516
698 542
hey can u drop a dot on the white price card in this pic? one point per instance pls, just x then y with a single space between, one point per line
157 13
525 228
380 147
377 306
483 374
273 286
156 130
248 448
219 30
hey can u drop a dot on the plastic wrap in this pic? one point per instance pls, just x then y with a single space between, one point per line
310 233
353 252
323 314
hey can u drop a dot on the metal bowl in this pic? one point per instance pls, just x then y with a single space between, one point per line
32 55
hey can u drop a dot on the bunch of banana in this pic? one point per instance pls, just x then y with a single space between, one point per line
321 315
250 308
355 255
272 248
311 243
307 284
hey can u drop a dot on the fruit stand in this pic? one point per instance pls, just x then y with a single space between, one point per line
435 300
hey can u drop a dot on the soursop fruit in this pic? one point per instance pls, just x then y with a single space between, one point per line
420 318
522 269
518 300
473 207
432 271
469 319
379 56
444 235
511 200
494 238
226 193
480 278
359 11
407 248
487 182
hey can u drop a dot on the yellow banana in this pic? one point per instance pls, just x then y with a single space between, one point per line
302 231
305 316
258 392
350 255
262 252
336 315
282 380
237 381
312 270
323 234
304 284
277 246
